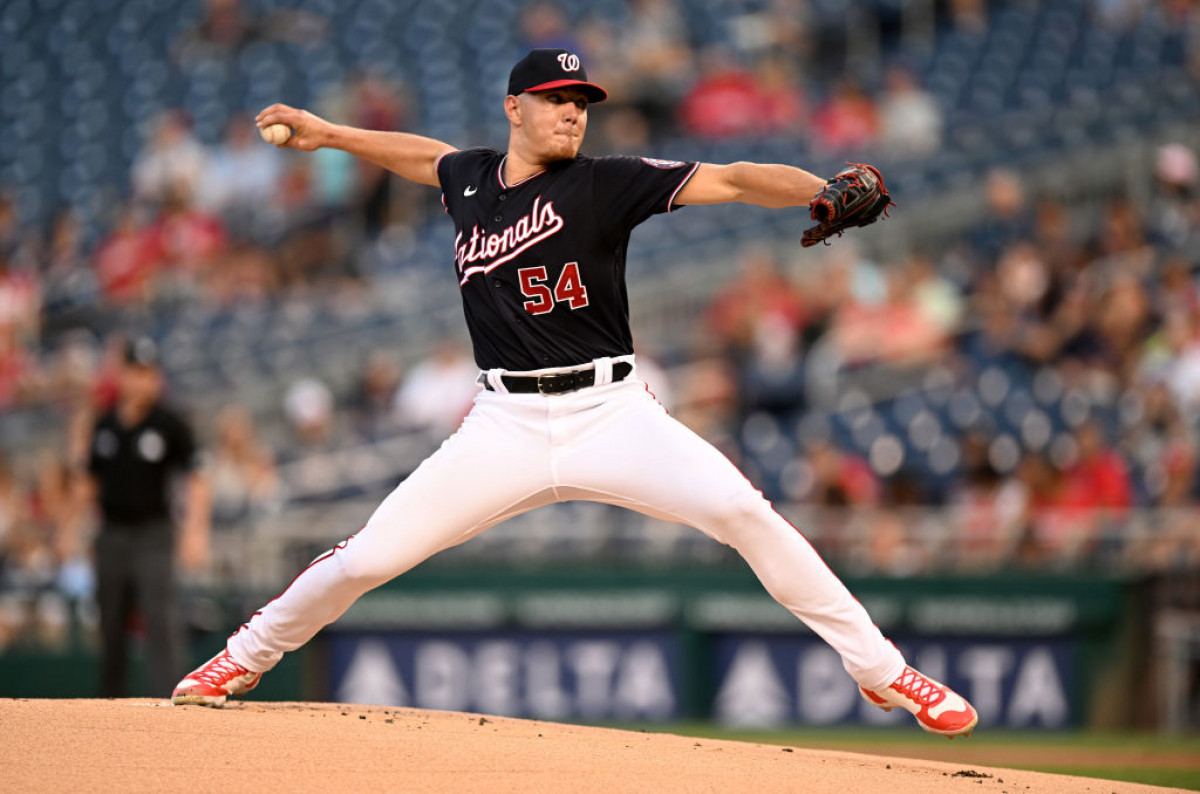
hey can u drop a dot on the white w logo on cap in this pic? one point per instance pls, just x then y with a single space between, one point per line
569 61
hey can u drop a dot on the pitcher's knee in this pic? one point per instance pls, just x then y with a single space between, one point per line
369 570
737 515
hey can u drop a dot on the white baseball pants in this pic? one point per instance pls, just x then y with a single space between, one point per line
609 443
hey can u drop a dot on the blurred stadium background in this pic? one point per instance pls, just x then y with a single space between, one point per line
983 412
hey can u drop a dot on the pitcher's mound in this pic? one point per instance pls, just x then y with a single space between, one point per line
146 745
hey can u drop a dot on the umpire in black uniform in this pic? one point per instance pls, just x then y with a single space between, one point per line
137 448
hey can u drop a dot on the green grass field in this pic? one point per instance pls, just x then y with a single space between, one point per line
1137 758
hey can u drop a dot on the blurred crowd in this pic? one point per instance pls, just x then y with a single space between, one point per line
769 79
1101 299
239 221
1055 349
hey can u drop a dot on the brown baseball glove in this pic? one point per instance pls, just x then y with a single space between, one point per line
855 197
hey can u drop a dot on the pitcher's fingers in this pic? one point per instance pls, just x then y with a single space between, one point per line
269 114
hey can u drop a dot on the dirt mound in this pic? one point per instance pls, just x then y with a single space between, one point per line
146 745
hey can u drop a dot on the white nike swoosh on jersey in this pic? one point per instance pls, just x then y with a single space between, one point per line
470 191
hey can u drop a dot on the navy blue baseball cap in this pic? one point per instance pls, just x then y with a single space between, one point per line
545 70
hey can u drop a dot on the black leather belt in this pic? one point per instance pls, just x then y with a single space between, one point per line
558 382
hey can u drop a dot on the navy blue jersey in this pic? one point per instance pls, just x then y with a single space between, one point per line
133 465
541 263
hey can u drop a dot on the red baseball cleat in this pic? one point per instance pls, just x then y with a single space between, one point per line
937 707
212 682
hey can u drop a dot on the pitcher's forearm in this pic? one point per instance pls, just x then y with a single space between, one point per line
774 185
413 157
765 184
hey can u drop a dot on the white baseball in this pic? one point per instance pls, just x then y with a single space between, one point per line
277 134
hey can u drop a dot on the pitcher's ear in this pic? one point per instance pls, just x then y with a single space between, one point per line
512 109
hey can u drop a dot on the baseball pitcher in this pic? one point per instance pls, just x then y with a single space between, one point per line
539 257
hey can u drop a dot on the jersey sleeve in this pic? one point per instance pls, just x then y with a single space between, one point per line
629 190
458 169
446 167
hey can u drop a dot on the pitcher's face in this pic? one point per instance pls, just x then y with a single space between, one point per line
552 123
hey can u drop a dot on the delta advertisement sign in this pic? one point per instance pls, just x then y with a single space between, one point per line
552 676
755 680
765 681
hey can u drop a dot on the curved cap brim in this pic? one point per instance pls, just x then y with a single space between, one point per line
593 92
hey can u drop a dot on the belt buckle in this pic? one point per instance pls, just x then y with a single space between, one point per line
551 379
556 382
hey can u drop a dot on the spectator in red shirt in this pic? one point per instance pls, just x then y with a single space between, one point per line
849 120
729 101
128 261
783 106
724 103
189 239
1099 477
